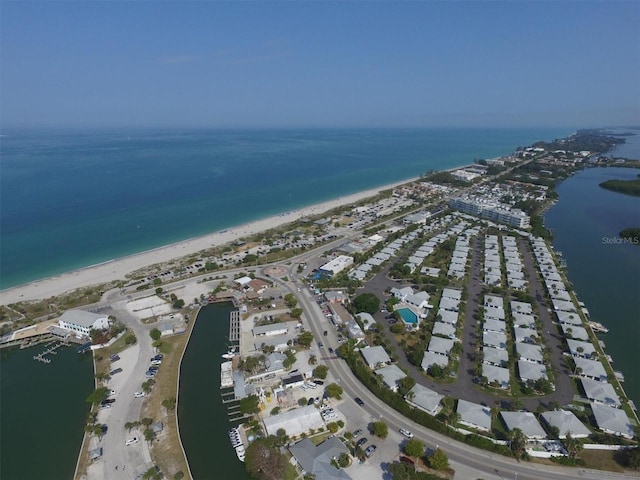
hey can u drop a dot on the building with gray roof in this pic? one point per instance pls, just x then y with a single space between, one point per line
474 415
447 316
574 331
528 371
444 329
391 375
452 293
375 356
525 335
424 399
581 349
592 369
493 339
600 392
496 375
569 318
316 460
523 320
495 356
493 325
566 422
431 358
532 353
449 304
81 322
526 422
439 345
612 420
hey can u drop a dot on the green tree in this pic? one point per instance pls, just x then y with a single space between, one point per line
264 461
380 429
155 334
169 403
148 385
574 446
149 435
334 390
179 475
98 395
146 421
518 442
305 338
398 328
438 460
414 448
367 302
130 338
296 312
290 300
332 427
249 405
320 371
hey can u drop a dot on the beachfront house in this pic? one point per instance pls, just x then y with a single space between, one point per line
316 460
81 322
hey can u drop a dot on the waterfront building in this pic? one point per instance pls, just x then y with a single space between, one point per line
431 358
612 420
295 421
600 392
81 322
491 210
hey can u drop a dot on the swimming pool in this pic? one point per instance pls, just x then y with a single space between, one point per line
407 315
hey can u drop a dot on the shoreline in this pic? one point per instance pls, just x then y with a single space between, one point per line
117 268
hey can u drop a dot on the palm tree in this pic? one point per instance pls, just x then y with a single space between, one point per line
518 442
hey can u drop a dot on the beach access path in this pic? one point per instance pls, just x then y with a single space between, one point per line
117 269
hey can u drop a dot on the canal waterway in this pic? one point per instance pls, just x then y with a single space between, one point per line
604 270
203 419
44 411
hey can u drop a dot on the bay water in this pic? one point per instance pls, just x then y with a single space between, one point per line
43 412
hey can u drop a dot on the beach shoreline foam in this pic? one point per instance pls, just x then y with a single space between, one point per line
117 269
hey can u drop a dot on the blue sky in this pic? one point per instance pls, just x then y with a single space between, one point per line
273 64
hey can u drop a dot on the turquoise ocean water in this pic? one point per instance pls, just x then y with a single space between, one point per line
70 199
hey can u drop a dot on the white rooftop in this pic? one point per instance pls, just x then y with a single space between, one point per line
375 355
440 345
601 392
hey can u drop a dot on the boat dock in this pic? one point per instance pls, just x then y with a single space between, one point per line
234 327
51 349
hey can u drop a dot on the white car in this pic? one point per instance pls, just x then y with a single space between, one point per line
406 433
138 395
131 441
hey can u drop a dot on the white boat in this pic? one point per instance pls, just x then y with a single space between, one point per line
230 354
240 453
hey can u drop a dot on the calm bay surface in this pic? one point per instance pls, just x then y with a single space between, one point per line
605 272
204 424
43 412
71 199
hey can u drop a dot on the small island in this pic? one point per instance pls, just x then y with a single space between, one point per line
628 187
631 235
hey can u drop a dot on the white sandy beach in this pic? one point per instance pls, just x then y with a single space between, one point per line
118 268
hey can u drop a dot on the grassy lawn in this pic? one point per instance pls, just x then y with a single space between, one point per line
318 439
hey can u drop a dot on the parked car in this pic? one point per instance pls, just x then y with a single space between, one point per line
406 433
357 433
115 371
371 449
138 395
359 401
407 460
131 441
361 442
